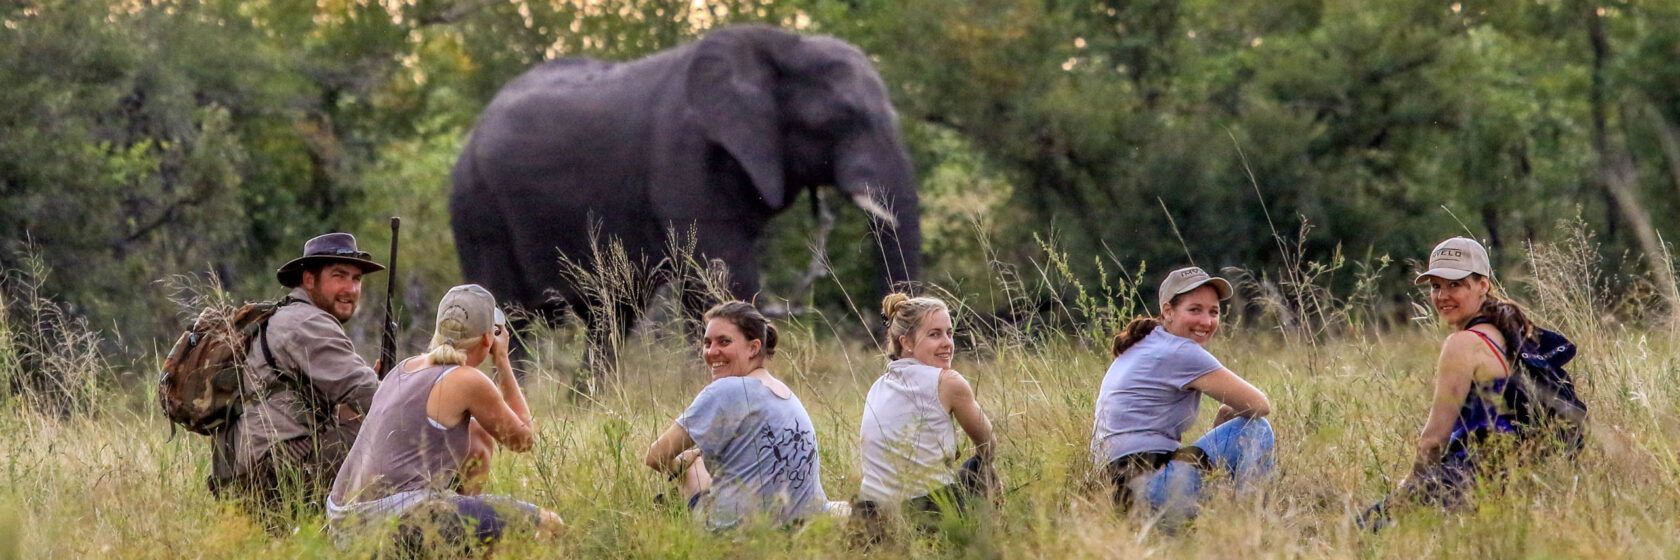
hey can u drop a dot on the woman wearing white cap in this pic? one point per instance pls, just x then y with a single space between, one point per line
1152 392
1474 393
425 447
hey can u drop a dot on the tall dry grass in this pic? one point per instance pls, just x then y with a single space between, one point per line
49 358
1348 397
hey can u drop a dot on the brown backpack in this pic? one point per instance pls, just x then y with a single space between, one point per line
200 388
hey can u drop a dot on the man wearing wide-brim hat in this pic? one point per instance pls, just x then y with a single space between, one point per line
301 373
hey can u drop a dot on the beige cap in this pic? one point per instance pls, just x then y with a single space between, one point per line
466 313
1455 259
1189 278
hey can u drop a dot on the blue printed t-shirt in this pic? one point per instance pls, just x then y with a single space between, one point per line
1144 404
760 449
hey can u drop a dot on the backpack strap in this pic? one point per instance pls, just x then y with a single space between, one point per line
262 331
1513 339
1497 352
262 336
268 354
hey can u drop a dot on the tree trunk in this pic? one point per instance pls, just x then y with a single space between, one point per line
1670 139
1618 175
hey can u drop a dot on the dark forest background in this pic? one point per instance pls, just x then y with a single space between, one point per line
142 139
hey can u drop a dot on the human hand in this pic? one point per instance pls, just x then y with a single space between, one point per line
687 457
501 337
1225 414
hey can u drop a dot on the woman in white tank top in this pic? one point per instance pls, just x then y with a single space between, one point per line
908 438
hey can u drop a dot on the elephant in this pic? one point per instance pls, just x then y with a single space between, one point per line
715 137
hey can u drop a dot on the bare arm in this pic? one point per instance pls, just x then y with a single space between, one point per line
958 398
483 401
506 381
1461 356
1237 396
663 455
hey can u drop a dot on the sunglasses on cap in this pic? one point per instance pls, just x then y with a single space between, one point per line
341 252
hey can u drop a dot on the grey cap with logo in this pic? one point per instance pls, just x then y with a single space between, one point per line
1455 259
467 312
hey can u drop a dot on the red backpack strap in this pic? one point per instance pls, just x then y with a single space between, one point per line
1497 353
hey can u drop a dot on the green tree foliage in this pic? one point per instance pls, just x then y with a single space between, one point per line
143 139
1365 119
137 142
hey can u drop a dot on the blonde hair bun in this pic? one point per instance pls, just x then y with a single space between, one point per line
891 303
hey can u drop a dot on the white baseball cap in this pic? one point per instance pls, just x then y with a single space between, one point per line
1189 278
1455 259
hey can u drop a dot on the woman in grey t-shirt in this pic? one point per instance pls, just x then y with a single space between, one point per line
745 447
1152 392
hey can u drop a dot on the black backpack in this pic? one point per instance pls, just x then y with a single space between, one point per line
1542 393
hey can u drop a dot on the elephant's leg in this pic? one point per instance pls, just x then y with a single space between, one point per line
743 275
521 321
729 253
695 302
607 329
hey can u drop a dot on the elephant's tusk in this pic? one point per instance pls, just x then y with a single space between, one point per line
868 204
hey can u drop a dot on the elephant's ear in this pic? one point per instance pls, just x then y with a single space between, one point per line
730 94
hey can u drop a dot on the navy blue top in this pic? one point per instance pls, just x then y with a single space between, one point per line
1485 410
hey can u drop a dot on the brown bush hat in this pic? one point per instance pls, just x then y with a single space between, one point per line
332 247
1189 278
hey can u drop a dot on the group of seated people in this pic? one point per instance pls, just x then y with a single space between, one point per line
746 448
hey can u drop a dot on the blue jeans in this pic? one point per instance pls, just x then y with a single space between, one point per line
1241 447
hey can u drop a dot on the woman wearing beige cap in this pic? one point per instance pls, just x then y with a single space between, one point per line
1152 392
1475 399
425 447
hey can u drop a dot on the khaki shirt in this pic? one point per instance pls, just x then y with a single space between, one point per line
318 370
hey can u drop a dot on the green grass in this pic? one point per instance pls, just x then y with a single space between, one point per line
104 476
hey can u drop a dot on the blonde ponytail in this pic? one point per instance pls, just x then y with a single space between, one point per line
450 352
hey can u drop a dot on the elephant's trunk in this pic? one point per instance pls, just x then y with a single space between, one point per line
900 240
872 166
895 221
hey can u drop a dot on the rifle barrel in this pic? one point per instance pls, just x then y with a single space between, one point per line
388 340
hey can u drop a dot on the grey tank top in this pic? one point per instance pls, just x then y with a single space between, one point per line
400 449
